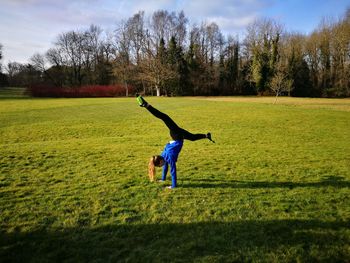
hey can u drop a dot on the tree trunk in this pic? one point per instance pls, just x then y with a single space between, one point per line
158 90
126 89
276 98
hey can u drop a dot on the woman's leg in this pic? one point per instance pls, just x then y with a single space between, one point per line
193 137
165 118
176 132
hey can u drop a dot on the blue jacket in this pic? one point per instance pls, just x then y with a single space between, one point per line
170 155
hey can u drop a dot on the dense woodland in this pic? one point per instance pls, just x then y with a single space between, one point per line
162 54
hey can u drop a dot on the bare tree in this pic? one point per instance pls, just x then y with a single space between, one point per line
280 83
54 57
154 68
324 46
312 57
79 53
160 27
13 68
90 45
164 25
214 41
136 35
17 73
181 28
70 47
340 58
107 47
123 67
38 62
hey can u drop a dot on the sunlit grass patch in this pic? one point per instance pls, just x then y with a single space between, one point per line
312 103
74 185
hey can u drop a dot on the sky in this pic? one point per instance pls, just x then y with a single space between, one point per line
32 26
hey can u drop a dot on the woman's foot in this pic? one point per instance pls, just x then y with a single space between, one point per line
209 137
141 101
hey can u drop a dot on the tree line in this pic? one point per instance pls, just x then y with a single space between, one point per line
163 55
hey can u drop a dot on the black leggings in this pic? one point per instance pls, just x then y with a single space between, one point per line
176 132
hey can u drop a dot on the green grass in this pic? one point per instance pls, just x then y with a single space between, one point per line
12 92
274 188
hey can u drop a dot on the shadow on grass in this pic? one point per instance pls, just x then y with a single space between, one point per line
285 240
332 181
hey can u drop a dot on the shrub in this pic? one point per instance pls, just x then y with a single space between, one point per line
89 91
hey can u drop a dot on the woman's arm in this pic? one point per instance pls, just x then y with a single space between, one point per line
165 170
173 175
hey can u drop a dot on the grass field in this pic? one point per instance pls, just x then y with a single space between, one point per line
274 188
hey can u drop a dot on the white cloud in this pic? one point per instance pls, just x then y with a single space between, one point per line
230 25
29 26
229 15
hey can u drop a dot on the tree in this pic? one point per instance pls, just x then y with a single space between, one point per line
296 66
165 25
232 66
180 28
82 57
340 59
106 56
162 26
214 40
57 70
22 75
207 45
155 70
13 71
196 62
262 42
3 77
280 83
92 61
193 68
123 69
324 46
136 35
177 63
162 56
70 47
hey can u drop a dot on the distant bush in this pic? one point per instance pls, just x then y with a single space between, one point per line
89 91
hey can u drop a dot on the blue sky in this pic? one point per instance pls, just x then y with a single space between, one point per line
31 26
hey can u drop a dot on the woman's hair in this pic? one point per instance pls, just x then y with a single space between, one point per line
155 160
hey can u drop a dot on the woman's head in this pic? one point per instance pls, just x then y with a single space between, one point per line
155 160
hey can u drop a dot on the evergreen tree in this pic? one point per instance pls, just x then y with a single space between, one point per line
172 60
184 82
232 69
222 76
161 52
299 72
192 68
175 57
260 71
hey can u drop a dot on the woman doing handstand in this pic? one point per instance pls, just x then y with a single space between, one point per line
172 149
